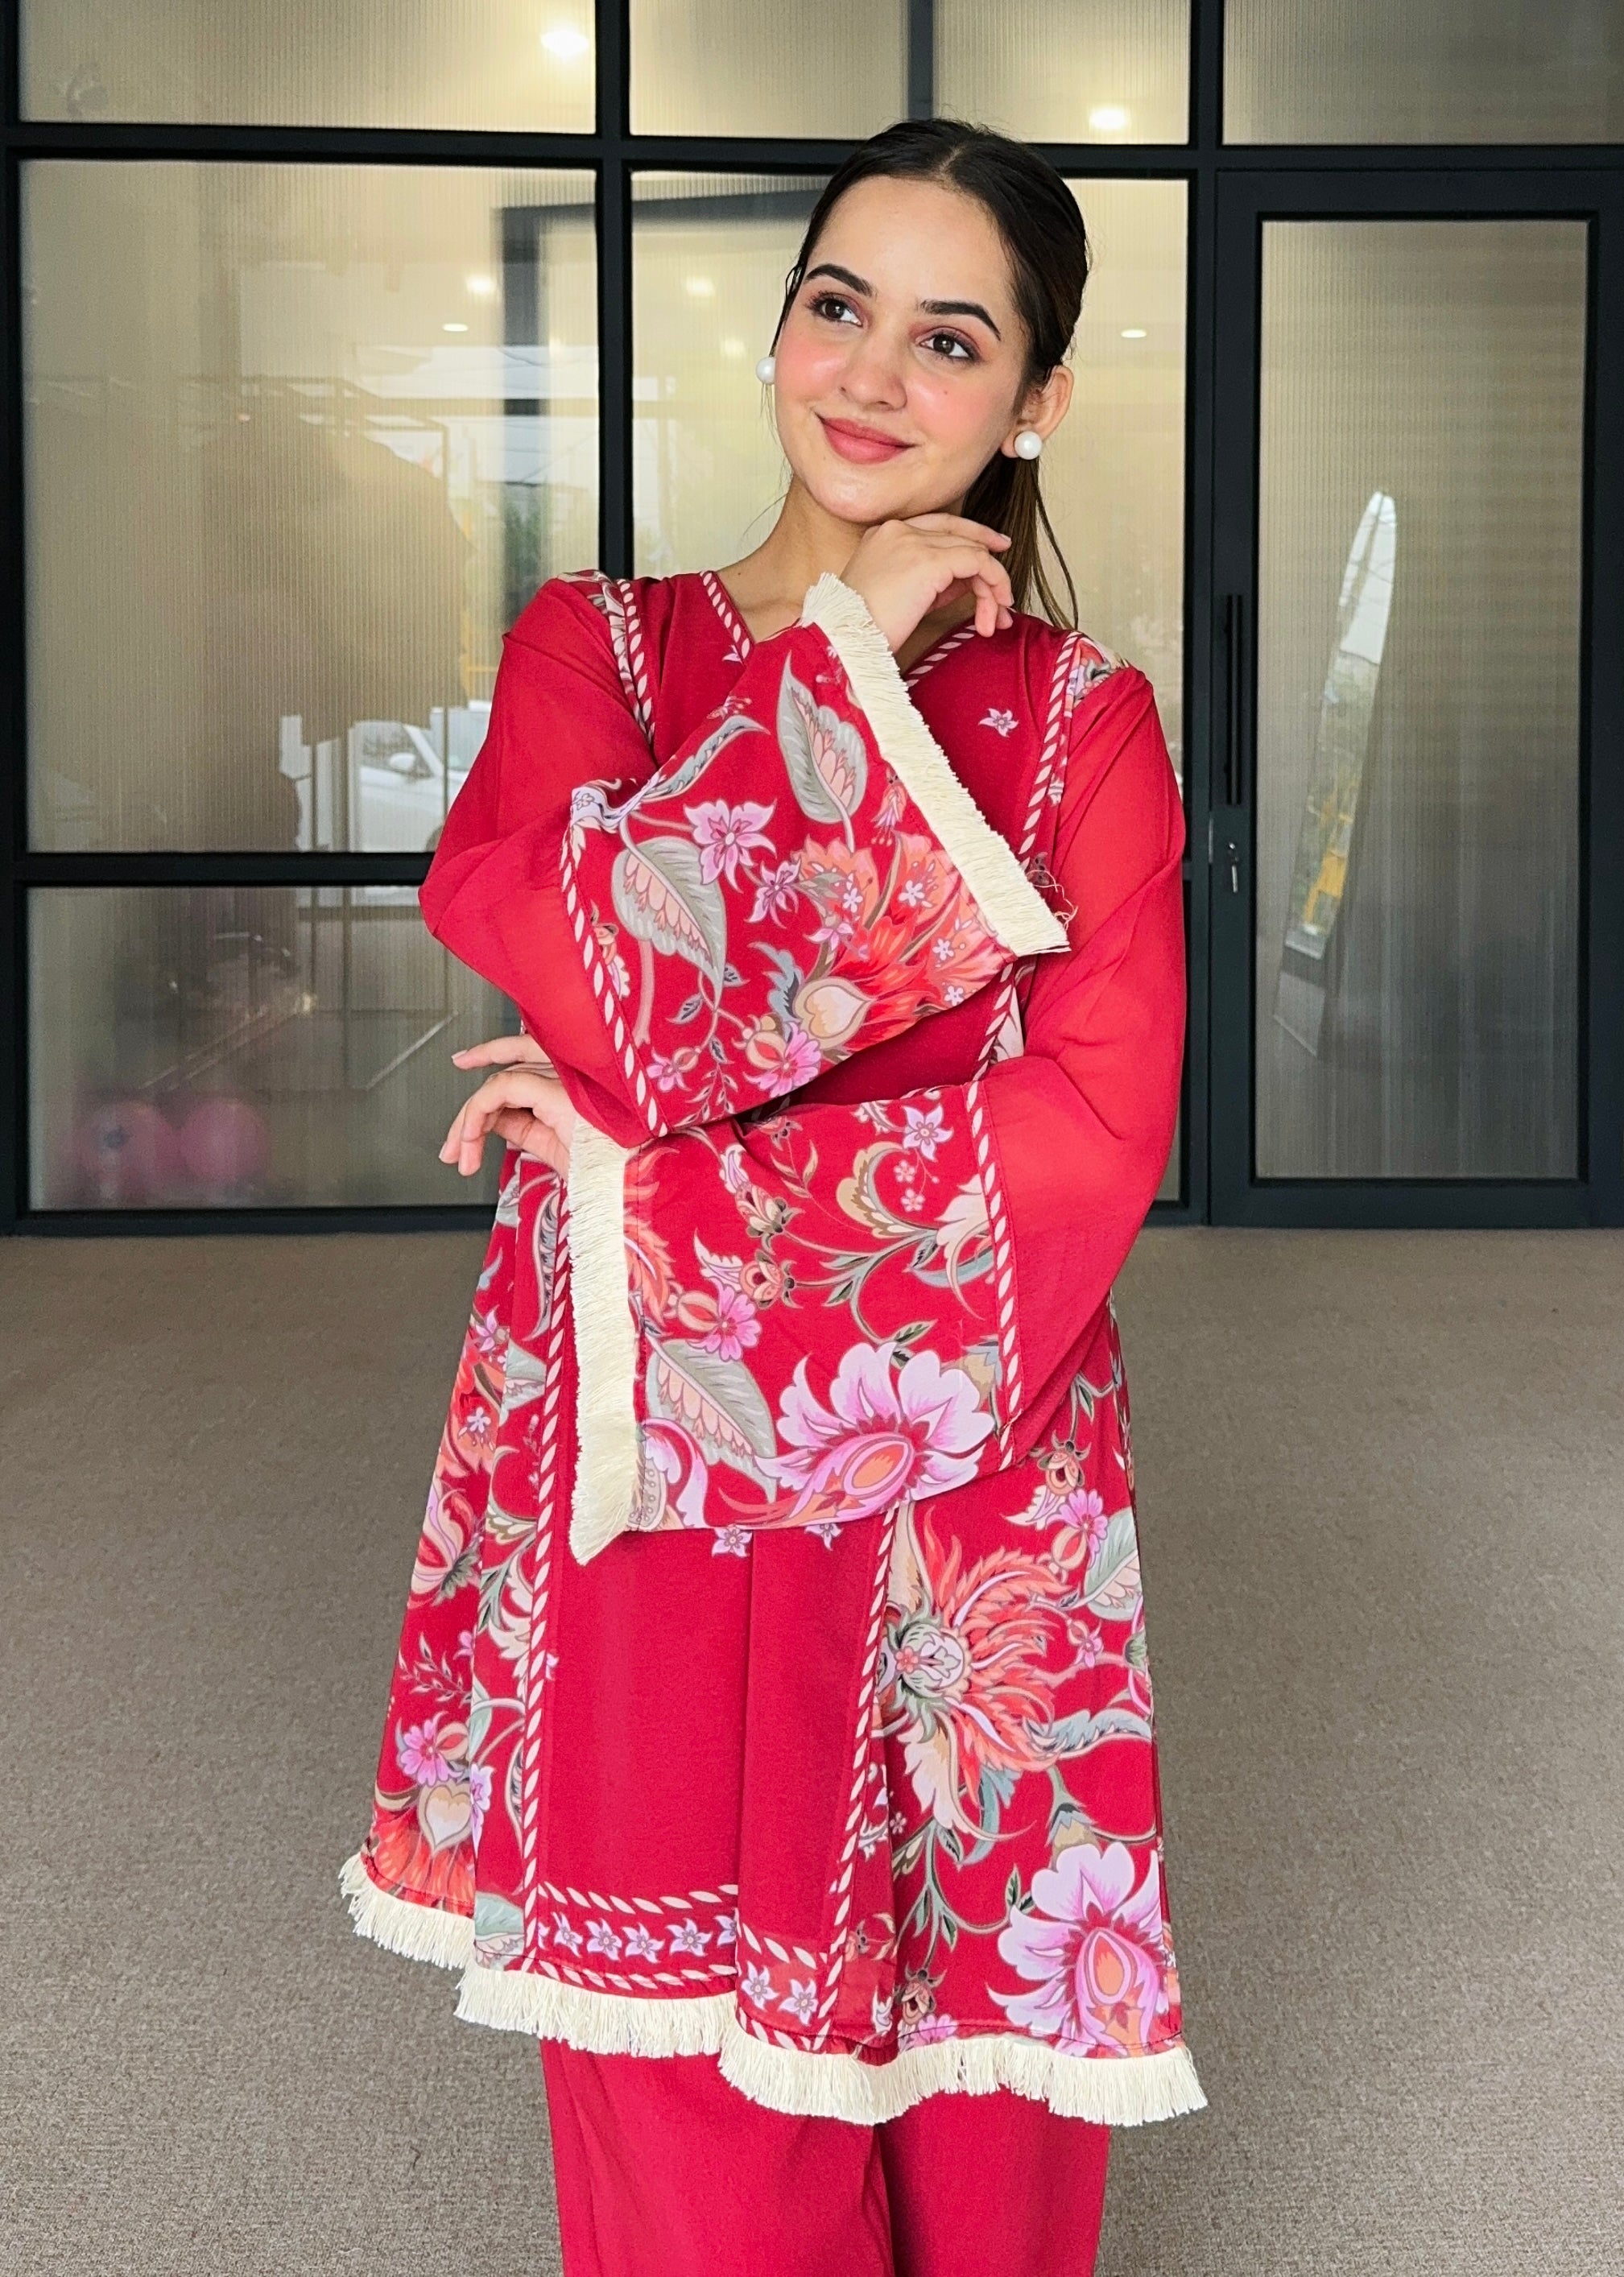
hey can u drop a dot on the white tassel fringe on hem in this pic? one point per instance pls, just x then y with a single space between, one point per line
1111 2090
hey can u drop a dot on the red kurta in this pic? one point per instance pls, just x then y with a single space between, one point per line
773 1682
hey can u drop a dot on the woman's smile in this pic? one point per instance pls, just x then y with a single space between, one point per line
864 447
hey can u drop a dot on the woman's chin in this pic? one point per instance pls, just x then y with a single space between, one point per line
866 496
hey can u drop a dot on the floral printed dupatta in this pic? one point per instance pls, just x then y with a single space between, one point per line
776 1644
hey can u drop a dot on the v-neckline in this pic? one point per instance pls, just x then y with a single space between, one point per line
738 631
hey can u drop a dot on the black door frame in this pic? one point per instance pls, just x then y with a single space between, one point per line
1246 200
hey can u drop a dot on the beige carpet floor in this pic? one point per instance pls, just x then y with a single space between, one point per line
1382 1503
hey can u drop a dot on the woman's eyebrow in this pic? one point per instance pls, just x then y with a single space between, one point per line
931 307
961 308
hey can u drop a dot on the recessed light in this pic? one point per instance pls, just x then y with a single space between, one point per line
1108 118
699 288
566 43
1133 332
482 287
454 328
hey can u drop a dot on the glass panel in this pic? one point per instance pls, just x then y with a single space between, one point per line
1418 698
831 68
710 252
301 441
1113 475
228 1047
1068 71
313 63
1461 71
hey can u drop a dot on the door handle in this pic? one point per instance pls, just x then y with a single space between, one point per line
1234 690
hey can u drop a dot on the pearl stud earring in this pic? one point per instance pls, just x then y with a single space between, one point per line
766 369
1028 443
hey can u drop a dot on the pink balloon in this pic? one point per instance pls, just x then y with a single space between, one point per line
225 1143
129 1153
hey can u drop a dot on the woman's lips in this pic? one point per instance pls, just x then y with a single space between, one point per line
865 445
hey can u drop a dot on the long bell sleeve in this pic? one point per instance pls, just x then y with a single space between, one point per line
832 1305
803 878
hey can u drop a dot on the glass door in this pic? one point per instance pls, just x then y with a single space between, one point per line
1404 739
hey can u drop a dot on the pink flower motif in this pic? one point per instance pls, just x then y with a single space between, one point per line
924 1131
926 2032
783 1061
880 1436
1094 1948
736 1326
422 1757
726 836
478 1797
775 892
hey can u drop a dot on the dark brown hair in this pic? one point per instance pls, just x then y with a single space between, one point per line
1043 230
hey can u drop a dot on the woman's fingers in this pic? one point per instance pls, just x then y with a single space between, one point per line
958 525
502 1051
528 1109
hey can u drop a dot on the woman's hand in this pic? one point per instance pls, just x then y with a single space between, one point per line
529 1108
906 570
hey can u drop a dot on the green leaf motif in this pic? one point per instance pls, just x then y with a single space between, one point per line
717 1400
825 756
661 896
1112 1586
1075 1735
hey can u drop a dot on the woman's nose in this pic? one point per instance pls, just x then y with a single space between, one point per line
875 373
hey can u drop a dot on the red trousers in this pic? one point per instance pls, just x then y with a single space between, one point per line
666 2171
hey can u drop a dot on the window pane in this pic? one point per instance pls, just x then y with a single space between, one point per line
710 252
831 68
1113 475
1068 71
1418 688
315 63
301 441
229 1048
1519 71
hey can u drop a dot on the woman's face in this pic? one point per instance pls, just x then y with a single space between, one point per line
901 362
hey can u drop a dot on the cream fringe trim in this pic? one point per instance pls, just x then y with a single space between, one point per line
421 1932
1009 904
602 2024
1112 2090
605 1344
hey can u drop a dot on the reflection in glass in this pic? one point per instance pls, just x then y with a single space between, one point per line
1309 965
231 1047
810 67
1420 525
313 63
1067 70
709 257
1113 473
300 442
1526 71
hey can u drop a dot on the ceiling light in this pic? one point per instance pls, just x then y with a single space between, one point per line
482 287
566 43
1108 118
454 328
699 288
1133 332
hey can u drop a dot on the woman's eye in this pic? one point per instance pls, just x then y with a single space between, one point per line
950 345
833 306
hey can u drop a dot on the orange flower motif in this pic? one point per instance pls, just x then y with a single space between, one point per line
965 1678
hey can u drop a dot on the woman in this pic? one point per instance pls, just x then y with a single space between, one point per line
771 1732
